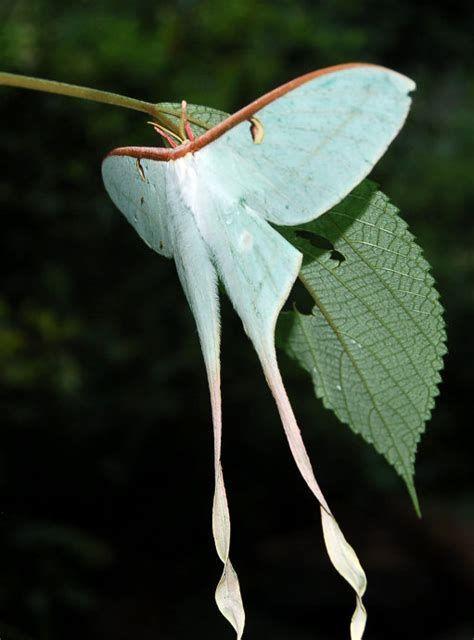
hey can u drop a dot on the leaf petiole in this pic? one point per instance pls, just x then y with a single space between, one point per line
86 93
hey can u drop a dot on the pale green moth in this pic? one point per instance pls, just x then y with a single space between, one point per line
207 202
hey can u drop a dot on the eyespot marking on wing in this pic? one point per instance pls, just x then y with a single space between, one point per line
140 170
257 131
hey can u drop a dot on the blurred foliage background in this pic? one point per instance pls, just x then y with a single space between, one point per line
105 443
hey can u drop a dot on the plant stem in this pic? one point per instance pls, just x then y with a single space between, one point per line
85 93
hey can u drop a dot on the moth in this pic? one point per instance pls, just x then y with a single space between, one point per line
209 202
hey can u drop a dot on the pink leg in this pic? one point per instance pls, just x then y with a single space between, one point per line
187 126
164 135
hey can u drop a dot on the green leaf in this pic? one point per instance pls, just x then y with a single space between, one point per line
200 117
374 341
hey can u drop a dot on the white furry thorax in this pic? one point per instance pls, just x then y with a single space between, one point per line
190 184
183 173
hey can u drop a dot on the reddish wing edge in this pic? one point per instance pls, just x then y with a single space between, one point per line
164 154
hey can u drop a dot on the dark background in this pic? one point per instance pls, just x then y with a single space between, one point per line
105 443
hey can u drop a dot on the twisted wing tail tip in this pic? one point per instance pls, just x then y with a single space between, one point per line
346 563
229 599
341 554
358 622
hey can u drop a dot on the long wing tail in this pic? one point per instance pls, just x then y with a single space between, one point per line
342 555
258 268
199 281
228 597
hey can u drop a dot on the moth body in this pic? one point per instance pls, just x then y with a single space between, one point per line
208 204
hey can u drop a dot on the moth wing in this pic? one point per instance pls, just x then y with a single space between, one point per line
256 264
138 189
321 139
258 268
